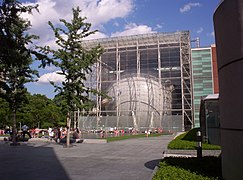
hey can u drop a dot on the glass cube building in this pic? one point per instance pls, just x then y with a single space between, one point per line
147 80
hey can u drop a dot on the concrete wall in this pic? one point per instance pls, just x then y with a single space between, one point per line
228 23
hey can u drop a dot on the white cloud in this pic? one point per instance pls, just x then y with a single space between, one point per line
200 30
187 7
39 20
102 11
133 29
54 77
98 12
96 35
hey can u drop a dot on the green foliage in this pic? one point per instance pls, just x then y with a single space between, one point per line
4 113
37 110
189 168
188 141
41 110
15 55
74 62
191 135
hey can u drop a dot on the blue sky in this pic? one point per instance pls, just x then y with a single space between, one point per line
121 17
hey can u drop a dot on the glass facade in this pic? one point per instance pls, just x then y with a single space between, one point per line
148 82
202 77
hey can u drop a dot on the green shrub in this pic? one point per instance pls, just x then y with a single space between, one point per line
191 135
188 140
189 168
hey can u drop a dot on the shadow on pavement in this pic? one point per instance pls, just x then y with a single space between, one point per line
152 164
29 162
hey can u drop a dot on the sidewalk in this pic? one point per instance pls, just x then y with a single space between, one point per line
190 153
127 159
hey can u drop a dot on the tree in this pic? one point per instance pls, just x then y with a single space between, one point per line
4 114
15 56
39 110
74 62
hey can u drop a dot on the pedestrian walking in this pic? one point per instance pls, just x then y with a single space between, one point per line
25 130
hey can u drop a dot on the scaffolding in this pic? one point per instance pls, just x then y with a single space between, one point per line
148 80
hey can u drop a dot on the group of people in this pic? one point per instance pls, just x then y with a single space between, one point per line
52 133
32 133
61 133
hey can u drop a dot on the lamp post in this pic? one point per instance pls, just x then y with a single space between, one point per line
199 144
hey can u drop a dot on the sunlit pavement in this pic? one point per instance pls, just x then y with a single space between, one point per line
119 160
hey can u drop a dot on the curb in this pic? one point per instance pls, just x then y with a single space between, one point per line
94 141
157 167
179 155
154 172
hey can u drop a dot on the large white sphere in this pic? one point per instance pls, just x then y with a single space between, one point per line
139 97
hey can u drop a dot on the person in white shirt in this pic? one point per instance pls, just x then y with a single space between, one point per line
51 133
25 131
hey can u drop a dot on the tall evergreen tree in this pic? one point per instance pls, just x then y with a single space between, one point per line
75 62
4 114
15 56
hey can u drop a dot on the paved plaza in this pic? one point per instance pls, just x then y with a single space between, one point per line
133 159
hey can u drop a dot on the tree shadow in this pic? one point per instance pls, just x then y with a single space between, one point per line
29 162
152 164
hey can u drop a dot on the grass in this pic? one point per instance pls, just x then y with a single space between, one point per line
128 136
205 168
4 135
188 141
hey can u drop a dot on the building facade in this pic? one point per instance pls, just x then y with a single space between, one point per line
204 75
147 80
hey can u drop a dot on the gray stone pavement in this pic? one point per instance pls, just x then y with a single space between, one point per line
192 153
133 159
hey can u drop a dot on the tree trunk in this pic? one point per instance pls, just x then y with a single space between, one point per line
14 130
68 130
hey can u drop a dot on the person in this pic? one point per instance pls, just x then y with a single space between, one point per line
76 134
25 131
102 134
7 130
58 135
37 131
50 133
32 132
64 133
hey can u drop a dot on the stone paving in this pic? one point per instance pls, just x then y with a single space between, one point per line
133 159
192 153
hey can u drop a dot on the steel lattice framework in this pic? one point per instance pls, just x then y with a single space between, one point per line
148 79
